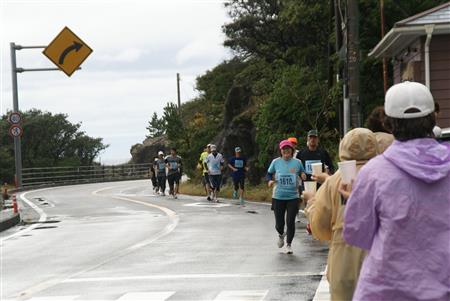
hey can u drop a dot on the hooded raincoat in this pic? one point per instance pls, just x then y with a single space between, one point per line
326 216
399 210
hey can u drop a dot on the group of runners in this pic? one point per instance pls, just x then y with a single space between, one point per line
167 168
212 164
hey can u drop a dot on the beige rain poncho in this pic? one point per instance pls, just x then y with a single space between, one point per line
326 216
384 140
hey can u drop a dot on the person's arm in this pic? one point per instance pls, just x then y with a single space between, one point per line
302 173
360 217
271 174
230 164
167 162
231 167
200 162
320 178
180 166
222 164
320 213
245 165
205 164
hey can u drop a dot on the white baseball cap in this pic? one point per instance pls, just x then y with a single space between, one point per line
408 95
213 147
160 153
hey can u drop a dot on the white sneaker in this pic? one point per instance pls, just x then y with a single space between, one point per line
281 240
288 249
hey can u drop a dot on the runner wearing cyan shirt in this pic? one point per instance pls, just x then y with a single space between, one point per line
160 168
174 170
283 174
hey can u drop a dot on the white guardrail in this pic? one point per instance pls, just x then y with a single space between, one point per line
49 176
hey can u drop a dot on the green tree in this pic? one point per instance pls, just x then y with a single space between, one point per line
215 83
48 140
299 102
289 30
156 126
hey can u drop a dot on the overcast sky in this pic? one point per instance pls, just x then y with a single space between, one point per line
139 46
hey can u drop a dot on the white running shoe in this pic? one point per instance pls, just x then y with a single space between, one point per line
288 249
281 240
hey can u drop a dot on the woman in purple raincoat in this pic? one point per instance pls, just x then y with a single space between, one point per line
399 208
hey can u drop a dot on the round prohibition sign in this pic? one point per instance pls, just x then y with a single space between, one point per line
14 118
15 131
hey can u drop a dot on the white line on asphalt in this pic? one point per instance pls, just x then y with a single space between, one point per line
210 205
42 215
191 276
55 298
153 296
254 295
173 217
323 290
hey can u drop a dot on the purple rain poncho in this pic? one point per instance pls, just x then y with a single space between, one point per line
399 210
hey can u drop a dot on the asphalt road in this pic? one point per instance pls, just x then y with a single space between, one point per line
118 241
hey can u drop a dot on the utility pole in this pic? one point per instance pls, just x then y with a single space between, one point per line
382 36
341 73
178 92
353 63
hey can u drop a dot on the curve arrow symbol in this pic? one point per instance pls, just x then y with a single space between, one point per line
75 46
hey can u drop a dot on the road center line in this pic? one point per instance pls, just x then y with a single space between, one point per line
192 276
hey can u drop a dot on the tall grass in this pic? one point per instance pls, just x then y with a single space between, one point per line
259 193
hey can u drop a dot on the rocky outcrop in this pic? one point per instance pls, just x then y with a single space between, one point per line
239 129
146 151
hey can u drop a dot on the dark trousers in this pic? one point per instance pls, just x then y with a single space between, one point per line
162 183
154 182
173 179
285 213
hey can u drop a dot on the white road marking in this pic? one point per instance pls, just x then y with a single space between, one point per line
254 295
152 296
323 290
42 215
54 298
173 217
190 276
208 205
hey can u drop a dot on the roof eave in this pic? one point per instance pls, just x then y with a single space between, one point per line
382 48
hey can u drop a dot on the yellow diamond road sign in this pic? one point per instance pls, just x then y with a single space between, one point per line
67 51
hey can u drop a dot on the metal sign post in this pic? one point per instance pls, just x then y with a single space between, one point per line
17 143
17 131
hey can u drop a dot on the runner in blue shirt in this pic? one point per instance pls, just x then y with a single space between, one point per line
238 167
284 174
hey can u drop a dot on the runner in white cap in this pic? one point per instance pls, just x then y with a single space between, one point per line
215 163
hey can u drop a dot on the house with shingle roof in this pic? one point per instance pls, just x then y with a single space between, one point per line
419 49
